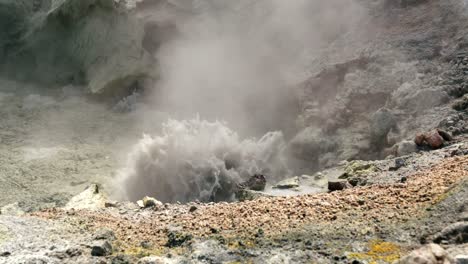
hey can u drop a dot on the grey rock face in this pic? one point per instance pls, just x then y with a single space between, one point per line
62 41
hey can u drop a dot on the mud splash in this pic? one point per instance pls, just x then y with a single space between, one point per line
198 159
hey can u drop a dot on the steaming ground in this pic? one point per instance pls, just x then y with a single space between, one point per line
53 145
200 160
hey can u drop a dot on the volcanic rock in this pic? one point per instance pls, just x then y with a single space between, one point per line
398 164
151 202
248 195
456 233
338 185
382 122
177 239
358 168
406 147
101 248
434 139
255 183
92 198
288 183
429 254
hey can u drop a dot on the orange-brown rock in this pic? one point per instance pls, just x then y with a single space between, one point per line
434 140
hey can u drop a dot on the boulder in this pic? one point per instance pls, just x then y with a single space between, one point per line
288 183
456 233
434 139
248 195
381 123
358 168
406 147
255 183
338 185
101 248
149 202
398 164
429 254
92 198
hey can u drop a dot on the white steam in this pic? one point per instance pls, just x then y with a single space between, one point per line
234 61
196 159
237 60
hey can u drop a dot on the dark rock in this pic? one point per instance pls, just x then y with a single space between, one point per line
445 135
109 204
101 248
255 183
398 164
73 252
177 239
403 179
338 185
193 208
456 233
146 244
5 254
214 230
357 181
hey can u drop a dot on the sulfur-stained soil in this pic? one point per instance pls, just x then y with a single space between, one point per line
380 222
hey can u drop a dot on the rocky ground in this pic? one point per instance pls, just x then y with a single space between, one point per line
377 223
